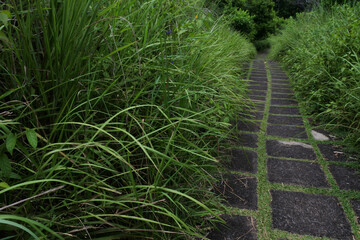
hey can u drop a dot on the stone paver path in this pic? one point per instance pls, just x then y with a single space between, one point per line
287 179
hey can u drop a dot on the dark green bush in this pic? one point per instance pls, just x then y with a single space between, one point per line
243 22
255 18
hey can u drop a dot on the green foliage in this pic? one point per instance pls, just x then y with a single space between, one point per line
321 51
264 17
112 113
255 18
243 22
289 8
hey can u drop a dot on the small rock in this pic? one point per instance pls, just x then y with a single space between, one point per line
319 136
293 143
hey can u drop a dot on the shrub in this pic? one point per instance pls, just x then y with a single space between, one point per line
242 21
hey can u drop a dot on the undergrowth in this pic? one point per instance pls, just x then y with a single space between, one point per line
111 114
320 49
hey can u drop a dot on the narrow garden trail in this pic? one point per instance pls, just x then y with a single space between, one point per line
287 179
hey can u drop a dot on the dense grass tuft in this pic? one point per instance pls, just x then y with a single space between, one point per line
110 117
321 50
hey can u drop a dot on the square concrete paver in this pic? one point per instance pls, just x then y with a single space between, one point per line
276 85
243 160
236 227
258 93
257 98
285 110
281 81
316 215
332 152
281 90
252 115
247 140
286 102
296 172
290 149
347 178
258 88
274 119
259 107
356 206
279 76
282 96
249 126
238 191
286 131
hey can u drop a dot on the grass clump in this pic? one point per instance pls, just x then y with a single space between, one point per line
111 114
320 50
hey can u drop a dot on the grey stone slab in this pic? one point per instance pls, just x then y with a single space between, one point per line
281 90
261 88
284 110
356 206
286 102
290 149
333 153
249 126
308 214
247 140
277 76
258 98
259 93
275 119
284 86
236 227
259 107
243 160
286 131
252 115
285 96
259 74
347 178
293 172
257 82
280 81
238 191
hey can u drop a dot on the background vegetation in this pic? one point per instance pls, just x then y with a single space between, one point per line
321 52
111 116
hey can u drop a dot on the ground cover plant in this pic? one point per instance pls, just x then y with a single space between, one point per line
111 115
321 52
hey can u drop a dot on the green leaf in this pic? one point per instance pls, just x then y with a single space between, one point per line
31 137
4 18
14 176
8 13
17 225
4 185
5 165
3 37
10 142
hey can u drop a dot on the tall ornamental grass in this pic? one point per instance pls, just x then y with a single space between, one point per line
321 50
111 115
